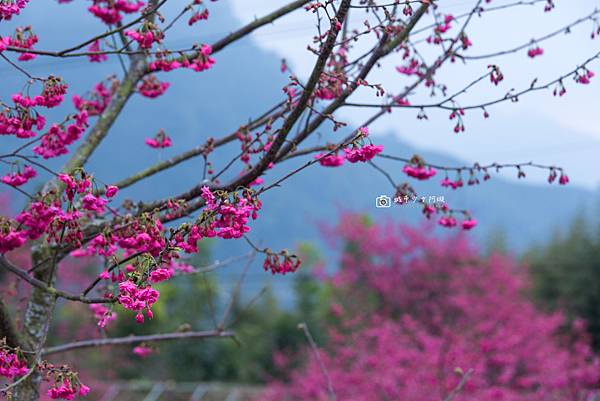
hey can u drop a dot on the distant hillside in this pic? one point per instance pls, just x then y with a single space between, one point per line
244 82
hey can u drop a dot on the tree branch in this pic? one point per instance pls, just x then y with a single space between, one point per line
257 23
5 263
103 342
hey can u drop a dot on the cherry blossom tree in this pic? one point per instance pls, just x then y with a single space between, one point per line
419 317
74 214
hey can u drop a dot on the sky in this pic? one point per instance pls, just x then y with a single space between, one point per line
542 128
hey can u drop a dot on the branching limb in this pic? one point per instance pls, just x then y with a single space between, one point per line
104 342
315 350
6 264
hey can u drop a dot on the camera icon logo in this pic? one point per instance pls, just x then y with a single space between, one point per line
383 201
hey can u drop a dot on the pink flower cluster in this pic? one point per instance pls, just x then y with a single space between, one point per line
226 219
362 154
329 160
468 224
98 100
19 178
402 101
10 239
109 11
201 62
8 8
23 38
102 245
10 364
143 351
47 217
446 182
281 263
145 37
21 122
564 179
443 28
3 43
68 391
52 95
329 92
160 274
54 142
535 51
141 236
449 222
585 77
93 203
22 119
160 140
419 172
95 48
137 299
102 314
74 186
38 217
198 16
410 69
151 87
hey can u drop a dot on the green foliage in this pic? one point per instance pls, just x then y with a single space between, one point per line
566 274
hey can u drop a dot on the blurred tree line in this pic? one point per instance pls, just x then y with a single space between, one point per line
566 274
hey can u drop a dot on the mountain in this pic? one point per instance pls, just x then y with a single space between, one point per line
244 82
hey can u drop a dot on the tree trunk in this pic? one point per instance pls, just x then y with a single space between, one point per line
36 323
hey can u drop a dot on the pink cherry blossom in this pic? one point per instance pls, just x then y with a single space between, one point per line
95 48
564 179
281 263
143 351
329 160
468 224
145 37
97 101
198 16
151 87
11 239
447 221
159 275
535 51
109 11
93 203
9 8
160 140
24 38
363 154
419 172
11 365
68 391
585 77
111 191
19 178
102 314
